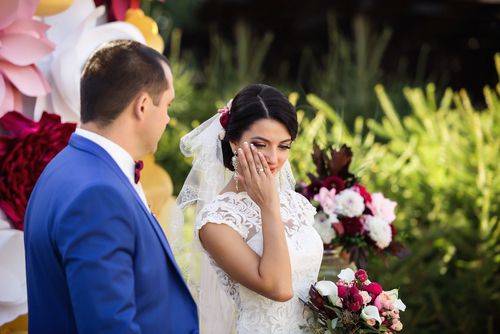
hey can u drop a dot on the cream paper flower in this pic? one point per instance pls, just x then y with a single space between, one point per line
77 33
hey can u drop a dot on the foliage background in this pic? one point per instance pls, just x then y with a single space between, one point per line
432 149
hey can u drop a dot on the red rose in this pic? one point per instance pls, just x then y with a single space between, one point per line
374 289
342 291
334 182
361 275
24 153
352 226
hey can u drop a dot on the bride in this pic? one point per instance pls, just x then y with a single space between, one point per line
260 253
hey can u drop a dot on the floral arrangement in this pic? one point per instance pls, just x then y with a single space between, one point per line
352 305
348 215
24 153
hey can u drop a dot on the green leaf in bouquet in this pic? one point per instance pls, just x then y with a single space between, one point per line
334 322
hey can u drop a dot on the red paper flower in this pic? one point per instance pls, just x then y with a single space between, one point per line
24 153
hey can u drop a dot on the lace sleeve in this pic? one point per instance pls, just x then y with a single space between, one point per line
232 210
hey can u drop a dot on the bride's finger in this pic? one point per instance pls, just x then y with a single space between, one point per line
243 164
252 164
264 164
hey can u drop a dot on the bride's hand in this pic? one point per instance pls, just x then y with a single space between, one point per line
256 177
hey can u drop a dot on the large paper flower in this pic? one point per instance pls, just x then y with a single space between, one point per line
13 300
24 153
77 32
22 44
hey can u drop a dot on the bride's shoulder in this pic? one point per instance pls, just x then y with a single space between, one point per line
234 209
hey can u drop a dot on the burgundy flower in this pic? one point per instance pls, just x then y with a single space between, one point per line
316 298
312 189
374 289
361 275
352 226
342 291
116 9
334 182
363 192
355 301
24 153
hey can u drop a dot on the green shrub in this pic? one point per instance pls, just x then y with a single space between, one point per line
440 163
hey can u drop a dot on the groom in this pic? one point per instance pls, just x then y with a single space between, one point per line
97 260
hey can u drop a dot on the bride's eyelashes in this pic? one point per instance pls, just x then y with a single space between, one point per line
262 145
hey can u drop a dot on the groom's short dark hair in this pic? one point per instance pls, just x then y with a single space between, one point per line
115 74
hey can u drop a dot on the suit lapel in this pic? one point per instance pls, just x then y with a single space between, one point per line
82 143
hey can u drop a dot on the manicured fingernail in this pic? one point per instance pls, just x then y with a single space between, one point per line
252 146
240 149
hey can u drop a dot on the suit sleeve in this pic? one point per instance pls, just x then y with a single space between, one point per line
95 236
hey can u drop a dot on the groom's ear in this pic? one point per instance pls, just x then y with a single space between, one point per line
140 105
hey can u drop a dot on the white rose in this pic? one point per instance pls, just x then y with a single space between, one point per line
323 225
379 231
349 203
370 312
346 275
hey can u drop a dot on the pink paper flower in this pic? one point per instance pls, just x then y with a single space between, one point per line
22 44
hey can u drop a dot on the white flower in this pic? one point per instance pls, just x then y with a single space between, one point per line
349 203
13 297
329 289
346 275
326 288
379 231
323 224
382 207
370 312
399 305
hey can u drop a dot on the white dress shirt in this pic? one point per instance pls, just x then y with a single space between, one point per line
122 158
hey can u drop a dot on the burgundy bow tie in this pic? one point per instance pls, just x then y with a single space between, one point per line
137 171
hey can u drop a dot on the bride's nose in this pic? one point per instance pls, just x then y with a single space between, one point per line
271 156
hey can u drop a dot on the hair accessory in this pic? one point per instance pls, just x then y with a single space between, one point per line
225 114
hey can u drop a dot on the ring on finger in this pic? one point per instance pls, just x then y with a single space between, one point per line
260 170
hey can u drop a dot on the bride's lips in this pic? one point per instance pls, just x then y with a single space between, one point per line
273 169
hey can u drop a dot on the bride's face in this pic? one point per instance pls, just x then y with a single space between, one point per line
271 138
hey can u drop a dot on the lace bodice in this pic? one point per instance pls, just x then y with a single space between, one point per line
255 313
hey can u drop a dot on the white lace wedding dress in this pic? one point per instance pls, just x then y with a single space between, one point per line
253 312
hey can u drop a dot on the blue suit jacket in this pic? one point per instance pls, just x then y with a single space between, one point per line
97 260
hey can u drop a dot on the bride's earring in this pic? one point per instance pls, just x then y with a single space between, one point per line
234 162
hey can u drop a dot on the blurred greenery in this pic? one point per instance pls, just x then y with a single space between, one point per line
427 149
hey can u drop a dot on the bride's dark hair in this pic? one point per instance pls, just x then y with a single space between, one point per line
251 104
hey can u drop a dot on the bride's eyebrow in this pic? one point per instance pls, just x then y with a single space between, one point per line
268 141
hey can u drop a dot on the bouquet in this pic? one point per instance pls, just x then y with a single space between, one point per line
352 305
348 215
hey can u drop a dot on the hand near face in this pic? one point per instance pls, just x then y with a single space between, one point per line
256 177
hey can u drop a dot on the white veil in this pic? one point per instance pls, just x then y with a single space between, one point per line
207 178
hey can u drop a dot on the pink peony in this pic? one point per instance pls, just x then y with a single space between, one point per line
384 301
382 207
326 199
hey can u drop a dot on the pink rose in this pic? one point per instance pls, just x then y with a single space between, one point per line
397 325
366 297
382 301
